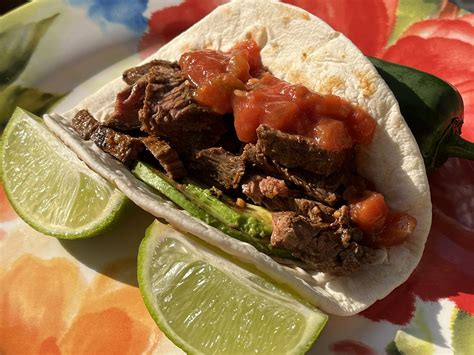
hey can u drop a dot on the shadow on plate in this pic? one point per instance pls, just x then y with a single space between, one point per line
114 253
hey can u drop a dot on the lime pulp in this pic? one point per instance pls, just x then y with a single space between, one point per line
49 187
208 304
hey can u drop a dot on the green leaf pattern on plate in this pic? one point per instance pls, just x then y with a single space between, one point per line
30 99
17 44
409 12
462 327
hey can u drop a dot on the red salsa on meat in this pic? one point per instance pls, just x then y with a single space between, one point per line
236 82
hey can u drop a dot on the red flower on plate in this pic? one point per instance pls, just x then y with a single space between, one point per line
442 47
367 23
351 347
169 22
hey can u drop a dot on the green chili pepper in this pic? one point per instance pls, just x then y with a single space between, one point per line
433 110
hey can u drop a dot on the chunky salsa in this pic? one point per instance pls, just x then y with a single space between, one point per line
236 82
381 225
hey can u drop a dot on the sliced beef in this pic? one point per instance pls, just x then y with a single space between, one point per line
328 247
84 124
119 145
130 76
295 151
270 192
314 210
166 156
321 188
218 167
147 83
127 104
177 117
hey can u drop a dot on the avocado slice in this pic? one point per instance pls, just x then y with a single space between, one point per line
251 224
247 219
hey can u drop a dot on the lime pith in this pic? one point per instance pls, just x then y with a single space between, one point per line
206 303
49 187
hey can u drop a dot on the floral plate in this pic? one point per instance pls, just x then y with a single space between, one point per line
82 296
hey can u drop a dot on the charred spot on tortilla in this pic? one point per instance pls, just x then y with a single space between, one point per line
366 83
295 157
332 84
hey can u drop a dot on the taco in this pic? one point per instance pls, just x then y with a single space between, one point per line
350 145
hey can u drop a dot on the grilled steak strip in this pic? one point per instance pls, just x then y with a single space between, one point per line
160 75
130 76
127 104
270 192
318 187
84 124
178 118
166 156
218 167
119 145
327 247
314 210
295 151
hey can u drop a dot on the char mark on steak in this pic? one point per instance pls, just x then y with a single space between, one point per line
327 247
178 118
270 192
146 82
218 167
295 151
314 210
166 156
131 76
84 124
119 145
321 188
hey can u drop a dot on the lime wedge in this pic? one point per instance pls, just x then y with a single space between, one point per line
207 303
49 187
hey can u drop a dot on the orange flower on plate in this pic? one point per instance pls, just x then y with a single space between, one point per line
6 211
48 307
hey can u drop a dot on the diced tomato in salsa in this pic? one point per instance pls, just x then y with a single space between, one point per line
217 74
381 225
332 134
292 109
369 212
398 228
251 51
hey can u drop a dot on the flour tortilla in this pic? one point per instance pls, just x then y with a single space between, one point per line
300 48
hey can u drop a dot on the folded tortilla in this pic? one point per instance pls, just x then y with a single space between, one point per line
299 48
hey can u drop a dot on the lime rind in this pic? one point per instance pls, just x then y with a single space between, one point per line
189 255
63 198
